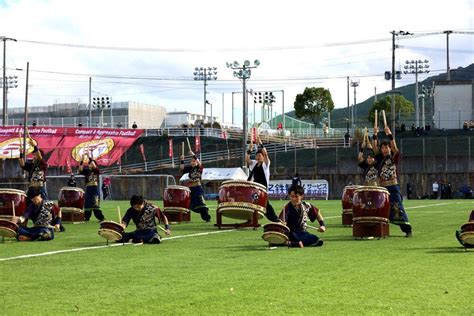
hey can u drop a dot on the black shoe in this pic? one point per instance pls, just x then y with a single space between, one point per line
319 243
409 234
155 240
61 228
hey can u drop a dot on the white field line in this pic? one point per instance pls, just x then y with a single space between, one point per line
49 253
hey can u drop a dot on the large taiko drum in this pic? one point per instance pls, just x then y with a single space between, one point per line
176 199
7 196
8 228
467 233
371 211
110 230
71 203
276 233
239 199
346 199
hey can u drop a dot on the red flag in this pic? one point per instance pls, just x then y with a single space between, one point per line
170 142
68 165
254 135
142 151
197 144
224 134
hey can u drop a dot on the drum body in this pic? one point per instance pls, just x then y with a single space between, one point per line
110 230
71 202
467 233
276 233
346 199
8 228
7 196
239 199
371 210
176 199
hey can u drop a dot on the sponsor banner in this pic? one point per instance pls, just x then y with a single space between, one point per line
170 145
68 144
313 189
197 144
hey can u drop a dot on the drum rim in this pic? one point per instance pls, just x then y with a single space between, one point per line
248 208
71 189
356 186
369 219
371 189
10 222
6 190
178 187
277 224
276 234
175 209
111 231
71 209
11 232
228 183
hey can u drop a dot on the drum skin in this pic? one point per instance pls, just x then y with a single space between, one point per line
275 233
347 196
6 198
371 203
8 228
176 199
71 197
111 230
239 199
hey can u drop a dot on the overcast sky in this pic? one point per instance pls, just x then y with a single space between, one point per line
157 44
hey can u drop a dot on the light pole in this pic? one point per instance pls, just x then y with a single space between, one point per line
425 92
100 103
416 67
10 83
448 70
263 98
243 72
354 84
205 74
393 74
5 39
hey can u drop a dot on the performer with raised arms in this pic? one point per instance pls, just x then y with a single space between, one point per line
194 171
260 173
387 160
143 215
89 169
368 164
36 168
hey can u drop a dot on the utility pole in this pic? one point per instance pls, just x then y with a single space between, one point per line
448 70
5 110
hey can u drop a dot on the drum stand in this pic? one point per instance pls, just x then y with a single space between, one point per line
379 229
253 222
346 217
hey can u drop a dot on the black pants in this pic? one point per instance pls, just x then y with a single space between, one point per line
97 213
270 214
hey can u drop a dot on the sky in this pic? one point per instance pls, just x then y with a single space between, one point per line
146 51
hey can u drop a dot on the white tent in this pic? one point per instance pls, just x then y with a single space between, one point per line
219 174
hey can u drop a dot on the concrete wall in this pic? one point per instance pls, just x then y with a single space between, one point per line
453 104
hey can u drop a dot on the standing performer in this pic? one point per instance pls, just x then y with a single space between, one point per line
46 217
143 215
36 169
295 214
92 200
370 173
387 160
194 172
260 173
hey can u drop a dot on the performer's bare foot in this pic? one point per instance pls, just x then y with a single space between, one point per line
24 238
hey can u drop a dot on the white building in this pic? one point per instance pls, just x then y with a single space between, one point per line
184 118
453 104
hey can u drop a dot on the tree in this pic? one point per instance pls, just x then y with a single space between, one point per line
403 109
312 103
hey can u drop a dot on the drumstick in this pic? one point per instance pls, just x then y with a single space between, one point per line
376 118
120 217
159 226
13 208
182 149
189 145
384 119
312 227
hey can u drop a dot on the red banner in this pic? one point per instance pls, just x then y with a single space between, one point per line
224 134
197 144
142 151
170 143
68 144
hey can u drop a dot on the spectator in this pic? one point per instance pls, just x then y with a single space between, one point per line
134 125
296 180
408 191
449 191
435 190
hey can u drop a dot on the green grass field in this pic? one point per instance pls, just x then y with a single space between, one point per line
234 271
